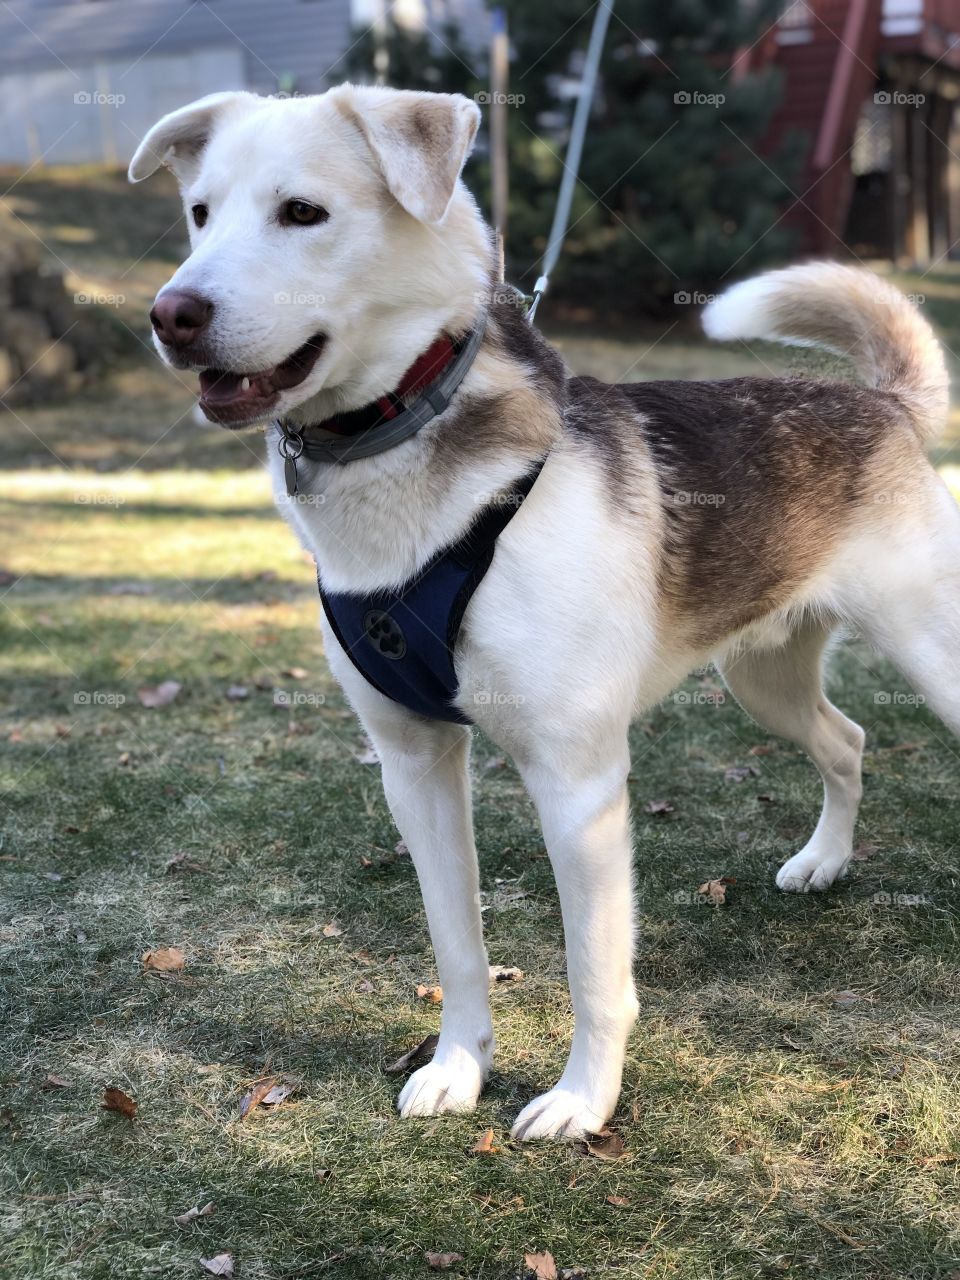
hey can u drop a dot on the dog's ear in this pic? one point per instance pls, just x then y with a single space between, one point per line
180 136
420 141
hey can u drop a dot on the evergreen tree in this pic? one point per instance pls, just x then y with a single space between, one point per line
415 59
674 193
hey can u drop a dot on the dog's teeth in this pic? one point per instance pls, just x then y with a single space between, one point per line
245 384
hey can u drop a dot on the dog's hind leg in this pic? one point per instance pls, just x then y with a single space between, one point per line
782 690
584 814
911 606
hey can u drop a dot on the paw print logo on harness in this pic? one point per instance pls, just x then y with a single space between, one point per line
384 634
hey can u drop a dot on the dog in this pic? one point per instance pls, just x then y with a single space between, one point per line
666 524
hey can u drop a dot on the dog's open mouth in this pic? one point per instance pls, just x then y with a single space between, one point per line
233 399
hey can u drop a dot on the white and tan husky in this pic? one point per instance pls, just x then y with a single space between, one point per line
672 523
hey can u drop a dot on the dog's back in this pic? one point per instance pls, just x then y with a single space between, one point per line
763 479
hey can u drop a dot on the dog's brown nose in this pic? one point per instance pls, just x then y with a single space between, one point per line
178 317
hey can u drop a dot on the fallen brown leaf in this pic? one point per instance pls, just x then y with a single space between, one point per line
280 1092
505 973
191 1215
159 695
605 1145
180 862
414 1057
484 1145
432 994
740 772
117 1100
221 1264
864 852
164 960
256 1096
619 1202
332 930
56 1082
295 673
541 1265
845 999
716 890
442 1261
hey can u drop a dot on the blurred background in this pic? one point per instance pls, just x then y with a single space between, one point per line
177 768
725 135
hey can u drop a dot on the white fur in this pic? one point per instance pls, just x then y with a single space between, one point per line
566 639
376 280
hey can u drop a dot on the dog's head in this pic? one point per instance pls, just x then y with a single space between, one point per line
331 238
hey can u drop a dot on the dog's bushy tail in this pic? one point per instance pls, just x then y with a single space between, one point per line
852 313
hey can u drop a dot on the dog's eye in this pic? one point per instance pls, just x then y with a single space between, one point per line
300 213
200 212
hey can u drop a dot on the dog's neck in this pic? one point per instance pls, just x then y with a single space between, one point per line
424 392
427 367
376 521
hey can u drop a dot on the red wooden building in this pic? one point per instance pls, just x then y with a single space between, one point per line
872 86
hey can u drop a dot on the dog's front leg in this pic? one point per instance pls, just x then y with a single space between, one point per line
586 826
427 785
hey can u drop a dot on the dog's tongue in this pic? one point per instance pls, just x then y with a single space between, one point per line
220 386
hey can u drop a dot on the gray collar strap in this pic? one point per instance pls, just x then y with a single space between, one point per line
331 447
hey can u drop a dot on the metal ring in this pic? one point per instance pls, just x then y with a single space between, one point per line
290 442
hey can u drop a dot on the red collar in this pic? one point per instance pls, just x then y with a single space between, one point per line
424 370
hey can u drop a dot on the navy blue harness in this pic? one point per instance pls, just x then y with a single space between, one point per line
402 641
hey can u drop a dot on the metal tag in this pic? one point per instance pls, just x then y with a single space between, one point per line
290 475
290 447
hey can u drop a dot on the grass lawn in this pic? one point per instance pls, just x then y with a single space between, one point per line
792 1088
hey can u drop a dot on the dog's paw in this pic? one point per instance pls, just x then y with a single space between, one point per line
808 872
441 1086
561 1113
